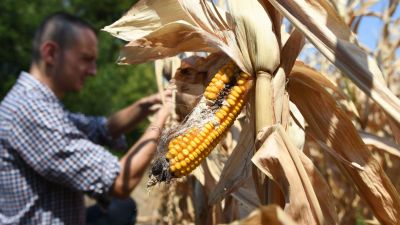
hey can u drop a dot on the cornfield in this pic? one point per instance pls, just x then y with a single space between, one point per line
258 136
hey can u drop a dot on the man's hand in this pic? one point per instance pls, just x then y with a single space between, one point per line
126 119
152 103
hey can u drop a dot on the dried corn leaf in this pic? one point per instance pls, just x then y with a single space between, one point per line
322 26
267 215
291 50
203 27
167 41
383 144
295 128
255 36
145 17
329 123
247 195
307 196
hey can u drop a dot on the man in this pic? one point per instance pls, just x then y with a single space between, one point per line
49 157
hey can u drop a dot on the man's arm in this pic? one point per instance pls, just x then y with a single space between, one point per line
134 163
127 118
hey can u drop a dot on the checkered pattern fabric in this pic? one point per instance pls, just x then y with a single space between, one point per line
50 158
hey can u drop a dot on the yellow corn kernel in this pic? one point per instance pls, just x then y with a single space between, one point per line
231 102
219 84
239 104
221 129
231 116
178 148
199 148
196 140
189 148
185 152
172 168
213 89
192 156
210 95
187 160
230 96
224 113
173 152
209 126
237 89
225 123
180 156
170 145
178 165
203 134
225 78
169 155
193 144
219 115
183 163
213 81
234 93
213 135
225 108
186 139
240 82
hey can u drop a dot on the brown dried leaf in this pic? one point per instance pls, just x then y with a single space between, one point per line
329 123
307 196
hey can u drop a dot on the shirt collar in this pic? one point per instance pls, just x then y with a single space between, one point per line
30 82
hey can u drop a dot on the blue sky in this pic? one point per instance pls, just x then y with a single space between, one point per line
370 27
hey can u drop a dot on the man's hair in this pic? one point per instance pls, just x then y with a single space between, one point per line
59 27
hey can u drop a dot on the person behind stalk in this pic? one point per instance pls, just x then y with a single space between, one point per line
49 157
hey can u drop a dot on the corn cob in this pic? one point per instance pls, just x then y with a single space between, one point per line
227 92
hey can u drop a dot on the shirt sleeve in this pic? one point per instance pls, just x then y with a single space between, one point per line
50 144
97 131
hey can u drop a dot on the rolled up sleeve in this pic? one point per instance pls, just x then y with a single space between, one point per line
95 127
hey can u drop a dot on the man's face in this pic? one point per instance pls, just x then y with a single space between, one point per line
77 62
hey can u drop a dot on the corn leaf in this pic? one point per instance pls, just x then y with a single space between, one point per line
380 143
319 22
307 196
330 125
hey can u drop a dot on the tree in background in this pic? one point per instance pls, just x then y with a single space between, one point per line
112 88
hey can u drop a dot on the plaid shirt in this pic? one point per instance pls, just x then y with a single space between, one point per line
50 158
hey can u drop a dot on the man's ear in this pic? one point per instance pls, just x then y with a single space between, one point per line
49 51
